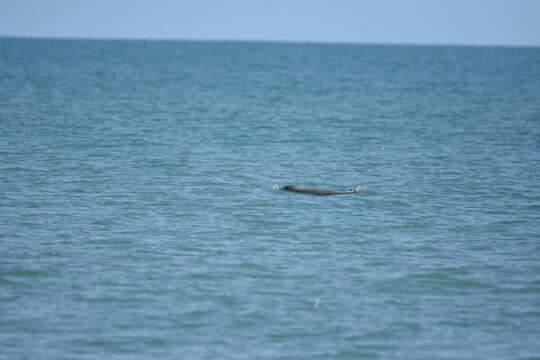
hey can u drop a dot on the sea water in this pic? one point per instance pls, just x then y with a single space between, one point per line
138 220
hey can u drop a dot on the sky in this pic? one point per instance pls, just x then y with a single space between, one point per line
461 22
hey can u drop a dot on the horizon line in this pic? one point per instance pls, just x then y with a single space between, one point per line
276 41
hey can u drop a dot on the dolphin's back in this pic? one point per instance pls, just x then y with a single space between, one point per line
314 191
318 191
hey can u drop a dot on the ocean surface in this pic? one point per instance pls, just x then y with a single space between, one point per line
138 220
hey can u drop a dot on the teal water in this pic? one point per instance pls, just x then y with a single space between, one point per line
138 219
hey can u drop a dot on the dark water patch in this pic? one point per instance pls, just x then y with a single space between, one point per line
34 272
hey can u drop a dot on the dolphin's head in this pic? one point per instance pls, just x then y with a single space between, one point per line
290 187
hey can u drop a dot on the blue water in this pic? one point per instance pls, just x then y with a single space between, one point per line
138 219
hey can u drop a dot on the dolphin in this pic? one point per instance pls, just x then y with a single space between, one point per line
315 191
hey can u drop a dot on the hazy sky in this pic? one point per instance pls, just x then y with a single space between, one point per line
482 22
